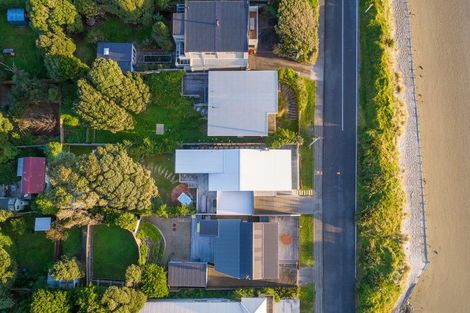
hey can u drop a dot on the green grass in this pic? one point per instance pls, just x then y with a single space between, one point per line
165 183
23 40
305 91
167 106
307 299
306 241
151 234
31 250
381 265
114 249
72 246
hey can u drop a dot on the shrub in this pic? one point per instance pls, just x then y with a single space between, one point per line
297 29
162 36
51 301
88 8
67 269
123 300
52 150
69 120
154 283
283 137
133 275
132 11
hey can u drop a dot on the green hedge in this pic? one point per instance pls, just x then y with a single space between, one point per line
381 265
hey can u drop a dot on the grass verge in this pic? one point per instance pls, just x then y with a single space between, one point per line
304 91
307 299
306 240
381 265
114 249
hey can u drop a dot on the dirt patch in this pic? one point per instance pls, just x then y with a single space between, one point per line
40 120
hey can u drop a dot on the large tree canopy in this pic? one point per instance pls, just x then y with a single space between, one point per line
154 283
107 177
67 269
107 96
132 11
49 301
124 299
297 30
46 14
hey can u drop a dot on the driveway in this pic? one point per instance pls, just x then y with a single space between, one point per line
177 234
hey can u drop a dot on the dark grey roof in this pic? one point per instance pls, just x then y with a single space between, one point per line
187 274
4 203
247 250
227 248
216 26
209 228
121 52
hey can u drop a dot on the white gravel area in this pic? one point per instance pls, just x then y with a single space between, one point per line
410 155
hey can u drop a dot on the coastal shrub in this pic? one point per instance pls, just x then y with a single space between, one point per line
297 28
381 266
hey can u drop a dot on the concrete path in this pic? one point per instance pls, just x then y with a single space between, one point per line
306 275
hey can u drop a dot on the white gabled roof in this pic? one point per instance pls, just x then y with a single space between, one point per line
239 169
239 102
247 305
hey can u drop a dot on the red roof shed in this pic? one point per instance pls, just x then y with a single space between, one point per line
33 171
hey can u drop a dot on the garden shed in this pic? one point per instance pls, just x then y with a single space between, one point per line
16 16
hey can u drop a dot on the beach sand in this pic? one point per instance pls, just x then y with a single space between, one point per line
441 47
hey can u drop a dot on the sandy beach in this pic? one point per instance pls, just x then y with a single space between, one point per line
441 47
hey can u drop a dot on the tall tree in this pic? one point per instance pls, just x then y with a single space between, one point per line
67 269
46 14
162 36
56 42
51 301
88 300
107 96
64 67
123 299
132 11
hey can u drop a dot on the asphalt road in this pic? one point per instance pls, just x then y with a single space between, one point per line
339 156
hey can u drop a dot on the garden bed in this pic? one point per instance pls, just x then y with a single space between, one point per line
114 249
152 243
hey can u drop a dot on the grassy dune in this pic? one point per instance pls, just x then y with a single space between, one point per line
381 259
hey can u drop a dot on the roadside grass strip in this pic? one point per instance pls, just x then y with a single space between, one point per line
307 298
306 240
381 265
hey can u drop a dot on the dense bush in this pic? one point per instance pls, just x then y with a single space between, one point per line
107 96
51 301
162 36
132 11
52 150
87 8
166 211
70 120
283 137
154 283
67 269
45 15
124 299
133 275
381 265
297 29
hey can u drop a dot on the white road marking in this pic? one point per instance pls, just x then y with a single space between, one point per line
342 65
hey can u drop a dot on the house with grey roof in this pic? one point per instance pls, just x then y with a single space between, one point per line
214 34
187 274
124 53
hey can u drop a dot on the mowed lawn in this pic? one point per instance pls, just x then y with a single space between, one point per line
114 249
32 251
23 40
306 240
72 246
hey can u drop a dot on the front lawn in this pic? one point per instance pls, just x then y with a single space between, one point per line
114 249
72 246
23 40
306 240
33 252
307 299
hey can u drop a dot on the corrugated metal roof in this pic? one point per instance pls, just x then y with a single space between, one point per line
246 305
216 26
121 52
239 102
42 223
199 161
33 175
270 251
227 248
187 274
